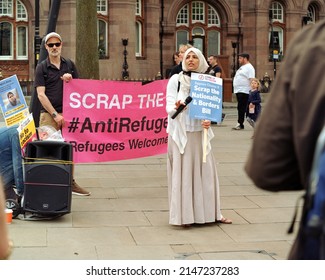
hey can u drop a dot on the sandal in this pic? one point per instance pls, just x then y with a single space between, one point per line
186 225
224 221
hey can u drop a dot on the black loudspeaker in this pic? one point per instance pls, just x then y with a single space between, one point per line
37 150
48 177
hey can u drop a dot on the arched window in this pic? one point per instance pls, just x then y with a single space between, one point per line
102 28
183 16
198 23
312 14
13 30
277 12
139 21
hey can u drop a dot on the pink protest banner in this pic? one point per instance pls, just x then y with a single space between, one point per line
112 120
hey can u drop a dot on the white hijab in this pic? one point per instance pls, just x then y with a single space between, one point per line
185 80
203 65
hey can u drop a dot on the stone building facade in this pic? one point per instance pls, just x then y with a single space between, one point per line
155 28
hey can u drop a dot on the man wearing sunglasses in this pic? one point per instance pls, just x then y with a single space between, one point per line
49 88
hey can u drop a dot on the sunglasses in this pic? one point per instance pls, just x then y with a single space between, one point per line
51 45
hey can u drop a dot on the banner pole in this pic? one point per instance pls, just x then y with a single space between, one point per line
205 143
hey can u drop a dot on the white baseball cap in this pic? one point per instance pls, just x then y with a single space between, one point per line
52 35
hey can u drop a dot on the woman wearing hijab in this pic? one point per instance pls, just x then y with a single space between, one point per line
193 186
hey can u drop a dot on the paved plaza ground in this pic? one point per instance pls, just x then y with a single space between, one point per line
126 216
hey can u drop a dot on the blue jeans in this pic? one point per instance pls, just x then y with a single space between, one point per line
11 169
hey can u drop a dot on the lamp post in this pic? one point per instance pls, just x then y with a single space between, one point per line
274 52
125 72
234 47
37 39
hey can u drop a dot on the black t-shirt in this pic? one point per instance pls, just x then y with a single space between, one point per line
214 70
52 81
176 69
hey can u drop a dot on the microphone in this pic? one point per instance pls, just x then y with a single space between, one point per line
182 106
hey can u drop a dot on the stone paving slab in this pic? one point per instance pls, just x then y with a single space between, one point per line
155 252
207 234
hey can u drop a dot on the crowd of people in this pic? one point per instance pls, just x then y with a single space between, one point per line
193 184
49 95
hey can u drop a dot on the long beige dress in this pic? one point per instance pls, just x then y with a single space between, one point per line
193 186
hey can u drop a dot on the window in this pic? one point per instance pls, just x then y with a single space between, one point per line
13 30
182 18
102 28
102 7
139 21
277 27
213 42
6 31
198 35
213 17
311 14
198 23
21 12
197 12
102 38
182 38
6 8
138 47
276 44
138 11
22 42
277 12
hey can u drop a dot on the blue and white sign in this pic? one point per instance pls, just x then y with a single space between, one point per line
12 101
206 91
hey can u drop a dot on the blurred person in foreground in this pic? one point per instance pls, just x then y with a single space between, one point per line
288 128
193 185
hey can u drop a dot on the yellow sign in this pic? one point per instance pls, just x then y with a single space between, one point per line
26 131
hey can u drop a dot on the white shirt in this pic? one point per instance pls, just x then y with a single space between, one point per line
241 80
